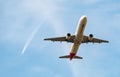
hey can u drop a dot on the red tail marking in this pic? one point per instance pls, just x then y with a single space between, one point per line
72 55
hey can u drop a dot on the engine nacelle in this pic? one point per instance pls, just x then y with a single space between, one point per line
90 37
68 36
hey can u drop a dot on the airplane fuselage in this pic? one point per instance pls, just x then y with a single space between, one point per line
78 36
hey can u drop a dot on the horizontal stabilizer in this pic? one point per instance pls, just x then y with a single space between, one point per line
68 56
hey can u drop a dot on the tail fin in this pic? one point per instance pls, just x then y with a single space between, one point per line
68 56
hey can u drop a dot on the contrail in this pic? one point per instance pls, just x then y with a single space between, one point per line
30 39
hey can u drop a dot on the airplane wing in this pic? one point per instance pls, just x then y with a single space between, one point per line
93 40
85 39
61 39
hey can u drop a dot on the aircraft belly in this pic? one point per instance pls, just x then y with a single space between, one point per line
74 48
79 34
80 30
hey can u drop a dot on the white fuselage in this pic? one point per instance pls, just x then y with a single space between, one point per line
78 35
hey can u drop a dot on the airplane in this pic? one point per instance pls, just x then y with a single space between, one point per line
77 39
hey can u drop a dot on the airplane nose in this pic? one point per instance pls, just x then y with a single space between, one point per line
84 18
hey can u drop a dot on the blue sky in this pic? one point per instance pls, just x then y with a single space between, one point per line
25 23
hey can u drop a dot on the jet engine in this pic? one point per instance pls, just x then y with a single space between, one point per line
68 36
90 37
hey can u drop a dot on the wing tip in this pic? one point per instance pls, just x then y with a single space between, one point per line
45 39
107 41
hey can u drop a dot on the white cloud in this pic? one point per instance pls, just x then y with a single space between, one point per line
48 11
30 39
